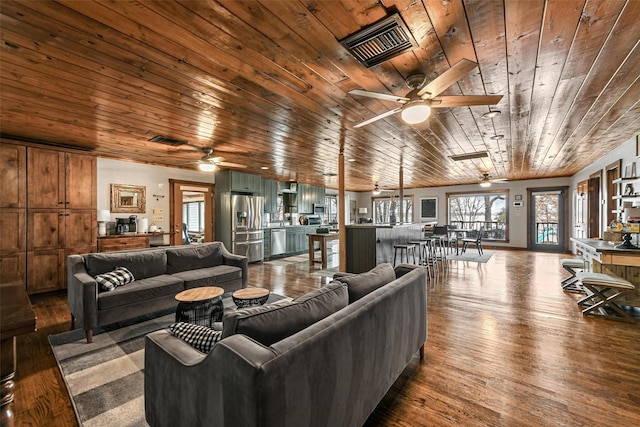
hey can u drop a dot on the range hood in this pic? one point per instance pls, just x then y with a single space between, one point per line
287 187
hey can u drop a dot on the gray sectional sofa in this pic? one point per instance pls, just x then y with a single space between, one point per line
325 359
159 273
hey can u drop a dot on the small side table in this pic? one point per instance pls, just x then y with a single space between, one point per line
200 306
249 297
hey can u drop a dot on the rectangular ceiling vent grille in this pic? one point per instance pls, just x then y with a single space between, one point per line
380 42
469 156
168 141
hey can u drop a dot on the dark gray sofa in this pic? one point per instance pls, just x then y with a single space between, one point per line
160 274
333 372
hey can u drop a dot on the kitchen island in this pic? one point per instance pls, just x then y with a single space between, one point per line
603 257
368 245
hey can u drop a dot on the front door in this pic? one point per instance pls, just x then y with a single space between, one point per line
547 219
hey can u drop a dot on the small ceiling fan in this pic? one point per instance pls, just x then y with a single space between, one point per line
377 190
209 163
486 180
417 104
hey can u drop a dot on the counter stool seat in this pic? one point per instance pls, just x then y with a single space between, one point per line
573 266
404 249
602 292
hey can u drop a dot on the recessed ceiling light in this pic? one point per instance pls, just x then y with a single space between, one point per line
496 137
351 160
264 168
491 114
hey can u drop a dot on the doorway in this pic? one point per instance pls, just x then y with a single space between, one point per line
191 212
594 214
548 219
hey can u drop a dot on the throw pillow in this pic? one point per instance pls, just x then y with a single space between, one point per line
199 337
271 323
362 284
118 277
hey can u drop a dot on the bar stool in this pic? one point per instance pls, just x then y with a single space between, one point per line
423 253
573 266
602 292
404 249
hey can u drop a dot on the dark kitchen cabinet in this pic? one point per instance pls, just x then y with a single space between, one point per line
270 193
238 181
267 243
297 241
308 195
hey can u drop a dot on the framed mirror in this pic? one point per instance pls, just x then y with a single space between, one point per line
128 198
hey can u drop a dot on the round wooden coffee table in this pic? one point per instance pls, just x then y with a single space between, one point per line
200 306
249 297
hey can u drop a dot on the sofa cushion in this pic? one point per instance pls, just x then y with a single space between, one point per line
272 322
141 290
199 337
211 276
118 277
361 284
142 263
193 257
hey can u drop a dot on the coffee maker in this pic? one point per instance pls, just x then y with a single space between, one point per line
126 225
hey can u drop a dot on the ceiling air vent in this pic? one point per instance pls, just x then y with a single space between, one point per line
380 42
469 156
166 140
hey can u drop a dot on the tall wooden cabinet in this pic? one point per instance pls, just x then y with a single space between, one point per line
60 213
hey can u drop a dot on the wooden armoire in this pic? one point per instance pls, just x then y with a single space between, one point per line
47 212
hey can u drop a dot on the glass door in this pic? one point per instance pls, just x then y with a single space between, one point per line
547 220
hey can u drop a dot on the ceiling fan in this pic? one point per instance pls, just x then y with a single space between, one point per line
486 180
377 190
209 163
417 104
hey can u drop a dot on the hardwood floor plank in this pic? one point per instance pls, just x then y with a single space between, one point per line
506 347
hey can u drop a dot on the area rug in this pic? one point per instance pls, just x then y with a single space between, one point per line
105 379
472 255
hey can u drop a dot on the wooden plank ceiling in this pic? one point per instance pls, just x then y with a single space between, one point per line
265 84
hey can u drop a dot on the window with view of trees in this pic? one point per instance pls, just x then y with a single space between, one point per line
481 209
384 207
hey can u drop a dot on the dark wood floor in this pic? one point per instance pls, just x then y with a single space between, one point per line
506 347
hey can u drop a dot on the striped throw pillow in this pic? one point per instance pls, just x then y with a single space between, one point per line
199 337
118 277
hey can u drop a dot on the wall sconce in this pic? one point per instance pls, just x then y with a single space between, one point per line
158 197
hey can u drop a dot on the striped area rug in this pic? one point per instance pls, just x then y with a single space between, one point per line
105 379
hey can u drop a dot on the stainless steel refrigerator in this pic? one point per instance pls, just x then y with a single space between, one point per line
247 236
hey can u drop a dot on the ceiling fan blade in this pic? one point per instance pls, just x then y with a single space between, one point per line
377 95
378 117
231 165
465 100
446 79
498 180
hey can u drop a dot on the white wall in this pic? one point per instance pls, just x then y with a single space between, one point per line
626 152
152 177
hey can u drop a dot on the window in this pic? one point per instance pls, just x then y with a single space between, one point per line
382 209
330 215
193 216
482 209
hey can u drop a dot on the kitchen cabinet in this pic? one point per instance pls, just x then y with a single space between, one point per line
267 243
238 181
270 193
48 212
13 203
296 240
308 195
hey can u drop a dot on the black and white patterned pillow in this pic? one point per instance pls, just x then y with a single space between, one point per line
202 338
118 277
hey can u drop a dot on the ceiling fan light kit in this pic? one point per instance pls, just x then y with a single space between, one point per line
485 183
206 167
415 112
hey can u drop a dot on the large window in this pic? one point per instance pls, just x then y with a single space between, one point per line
193 216
330 210
487 209
382 209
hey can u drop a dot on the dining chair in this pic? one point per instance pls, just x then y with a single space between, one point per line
477 240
